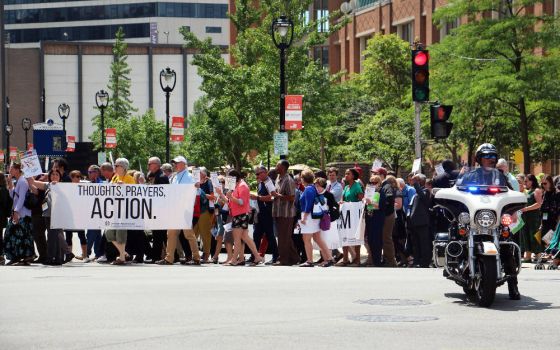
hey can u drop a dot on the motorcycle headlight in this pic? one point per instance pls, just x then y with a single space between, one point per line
464 218
485 218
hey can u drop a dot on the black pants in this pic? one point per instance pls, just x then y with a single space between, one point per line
374 230
39 228
136 244
81 236
265 227
159 240
421 245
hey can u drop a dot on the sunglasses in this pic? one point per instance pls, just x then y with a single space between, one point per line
489 156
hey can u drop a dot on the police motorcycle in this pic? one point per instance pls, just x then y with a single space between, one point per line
477 253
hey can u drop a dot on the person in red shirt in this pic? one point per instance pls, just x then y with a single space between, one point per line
240 209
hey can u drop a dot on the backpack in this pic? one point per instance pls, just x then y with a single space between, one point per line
334 207
319 207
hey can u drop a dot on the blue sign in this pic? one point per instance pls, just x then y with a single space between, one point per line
49 140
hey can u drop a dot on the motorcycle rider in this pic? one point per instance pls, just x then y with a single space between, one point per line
487 157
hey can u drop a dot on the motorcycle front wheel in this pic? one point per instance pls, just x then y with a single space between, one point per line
485 285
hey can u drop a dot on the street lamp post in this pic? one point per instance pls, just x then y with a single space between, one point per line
7 129
284 28
26 126
63 113
167 81
102 101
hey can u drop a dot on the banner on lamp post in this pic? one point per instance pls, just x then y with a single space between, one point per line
2 158
110 138
294 112
70 143
177 129
13 153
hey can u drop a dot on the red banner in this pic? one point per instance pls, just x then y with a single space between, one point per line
110 138
29 146
70 143
13 153
293 112
177 129
1 156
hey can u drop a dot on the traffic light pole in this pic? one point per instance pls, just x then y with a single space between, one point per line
417 133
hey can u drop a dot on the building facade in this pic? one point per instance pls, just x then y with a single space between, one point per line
60 52
29 22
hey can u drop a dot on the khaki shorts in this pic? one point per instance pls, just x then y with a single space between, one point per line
116 235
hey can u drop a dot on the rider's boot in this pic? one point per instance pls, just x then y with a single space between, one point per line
512 288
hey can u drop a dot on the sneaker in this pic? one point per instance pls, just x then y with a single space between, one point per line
88 260
306 264
102 259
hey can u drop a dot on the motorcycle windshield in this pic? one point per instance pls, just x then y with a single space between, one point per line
483 177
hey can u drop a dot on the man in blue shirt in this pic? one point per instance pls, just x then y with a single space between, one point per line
182 177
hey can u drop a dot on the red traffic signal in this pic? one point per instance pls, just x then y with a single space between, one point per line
420 76
440 127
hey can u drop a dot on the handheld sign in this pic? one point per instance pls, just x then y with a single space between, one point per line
196 175
231 181
30 164
416 165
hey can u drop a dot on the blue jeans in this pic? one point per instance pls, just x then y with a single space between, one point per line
94 240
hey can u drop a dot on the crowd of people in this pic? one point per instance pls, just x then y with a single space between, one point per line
400 224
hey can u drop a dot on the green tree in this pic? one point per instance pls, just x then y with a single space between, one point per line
241 104
120 105
138 137
514 61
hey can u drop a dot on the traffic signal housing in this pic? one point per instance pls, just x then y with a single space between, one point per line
420 76
439 116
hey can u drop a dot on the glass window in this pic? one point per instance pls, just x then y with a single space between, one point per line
137 30
213 29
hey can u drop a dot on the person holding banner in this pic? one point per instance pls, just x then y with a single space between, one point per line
240 209
265 225
352 193
205 221
157 177
387 192
118 237
58 251
182 177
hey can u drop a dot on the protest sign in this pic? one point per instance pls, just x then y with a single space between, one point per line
30 165
13 153
123 207
269 185
417 165
439 169
70 143
196 174
280 143
231 181
376 164
350 226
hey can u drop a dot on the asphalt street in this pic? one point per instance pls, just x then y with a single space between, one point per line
93 306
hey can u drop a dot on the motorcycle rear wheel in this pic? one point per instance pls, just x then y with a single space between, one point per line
485 286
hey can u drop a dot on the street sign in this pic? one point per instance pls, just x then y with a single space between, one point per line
70 143
110 138
177 129
13 153
294 112
280 143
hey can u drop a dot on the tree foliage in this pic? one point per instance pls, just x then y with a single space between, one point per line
497 67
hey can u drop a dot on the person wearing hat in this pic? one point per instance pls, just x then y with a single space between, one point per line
118 237
387 196
182 177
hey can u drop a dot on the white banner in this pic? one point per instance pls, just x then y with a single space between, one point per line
125 207
351 224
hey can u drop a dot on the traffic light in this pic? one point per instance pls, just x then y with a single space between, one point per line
440 127
420 76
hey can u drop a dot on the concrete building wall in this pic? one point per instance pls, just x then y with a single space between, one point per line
59 64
